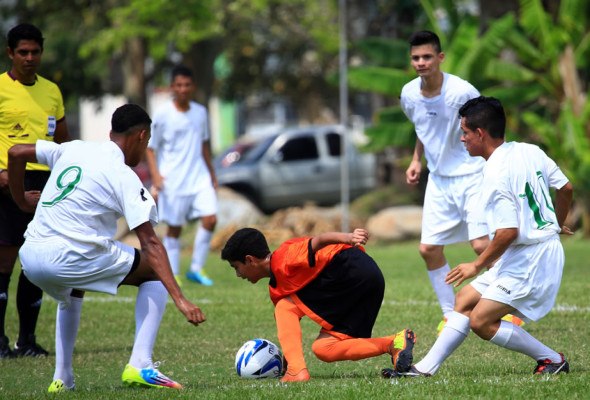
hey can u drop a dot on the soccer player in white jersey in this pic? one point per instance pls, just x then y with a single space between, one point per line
69 248
183 177
450 213
525 229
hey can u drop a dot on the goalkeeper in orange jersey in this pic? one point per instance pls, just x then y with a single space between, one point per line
334 282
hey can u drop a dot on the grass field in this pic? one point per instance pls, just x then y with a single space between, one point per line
202 358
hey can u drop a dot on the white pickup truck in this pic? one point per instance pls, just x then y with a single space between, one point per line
294 166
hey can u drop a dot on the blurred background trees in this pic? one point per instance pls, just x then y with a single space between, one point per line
534 55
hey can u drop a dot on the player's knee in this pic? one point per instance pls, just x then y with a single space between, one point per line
322 350
430 252
209 222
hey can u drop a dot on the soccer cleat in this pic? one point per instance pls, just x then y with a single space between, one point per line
440 326
5 350
178 280
199 277
410 373
58 386
30 348
401 350
514 319
548 367
301 376
147 377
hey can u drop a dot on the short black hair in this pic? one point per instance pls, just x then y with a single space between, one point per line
425 37
24 32
128 116
245 241
182 71
486 113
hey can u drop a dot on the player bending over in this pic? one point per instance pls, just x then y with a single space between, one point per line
69 248
525 227
334 282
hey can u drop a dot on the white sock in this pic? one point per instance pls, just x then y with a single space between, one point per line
172 246
444 292
453 334
513 337
149 310
66 331
200 249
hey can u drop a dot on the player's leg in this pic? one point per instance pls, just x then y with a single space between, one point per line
288 316
438 268
173 246
28 304
204 207
150 305
66 332
8 255
333 346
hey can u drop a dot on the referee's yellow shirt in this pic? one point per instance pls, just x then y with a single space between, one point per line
27 113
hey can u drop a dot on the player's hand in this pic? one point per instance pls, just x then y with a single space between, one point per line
193 313
566 231
31 199
413 173
460 273
359 237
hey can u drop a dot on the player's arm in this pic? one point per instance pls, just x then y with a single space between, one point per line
18 157
158 260
413 171
563 201
61 133
356 238
207 158
497 247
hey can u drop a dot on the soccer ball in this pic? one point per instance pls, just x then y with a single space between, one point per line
259 358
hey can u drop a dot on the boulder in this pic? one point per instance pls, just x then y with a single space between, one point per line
396 223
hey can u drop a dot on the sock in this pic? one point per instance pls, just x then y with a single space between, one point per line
4 281
149 310
172 246
444 292
513 337
453 334
28 304
200 249
66 331
331 348
287 316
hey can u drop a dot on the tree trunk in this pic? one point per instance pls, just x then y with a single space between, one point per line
134 87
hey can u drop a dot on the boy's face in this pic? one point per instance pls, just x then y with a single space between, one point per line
183 88
425 60
252 269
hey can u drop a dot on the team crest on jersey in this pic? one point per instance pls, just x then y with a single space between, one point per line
431 114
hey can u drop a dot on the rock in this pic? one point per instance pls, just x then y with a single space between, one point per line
396 223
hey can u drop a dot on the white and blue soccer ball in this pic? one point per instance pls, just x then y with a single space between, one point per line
259 358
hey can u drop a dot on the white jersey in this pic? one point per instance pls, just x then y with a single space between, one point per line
437 124
177 138
515 192
89 188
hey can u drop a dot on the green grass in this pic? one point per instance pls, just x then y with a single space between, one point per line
202 358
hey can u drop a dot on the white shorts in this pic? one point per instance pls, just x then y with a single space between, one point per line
452 211
57 267
526 277
176 210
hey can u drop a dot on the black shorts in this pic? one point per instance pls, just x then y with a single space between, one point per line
13 221
348 293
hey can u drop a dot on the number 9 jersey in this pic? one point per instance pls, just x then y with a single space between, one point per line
89 188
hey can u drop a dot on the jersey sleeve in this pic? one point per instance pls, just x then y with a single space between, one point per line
60 113
556 178
136 202
47 152
156 132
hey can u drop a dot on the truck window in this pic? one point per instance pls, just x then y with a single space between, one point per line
301 148
333 140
